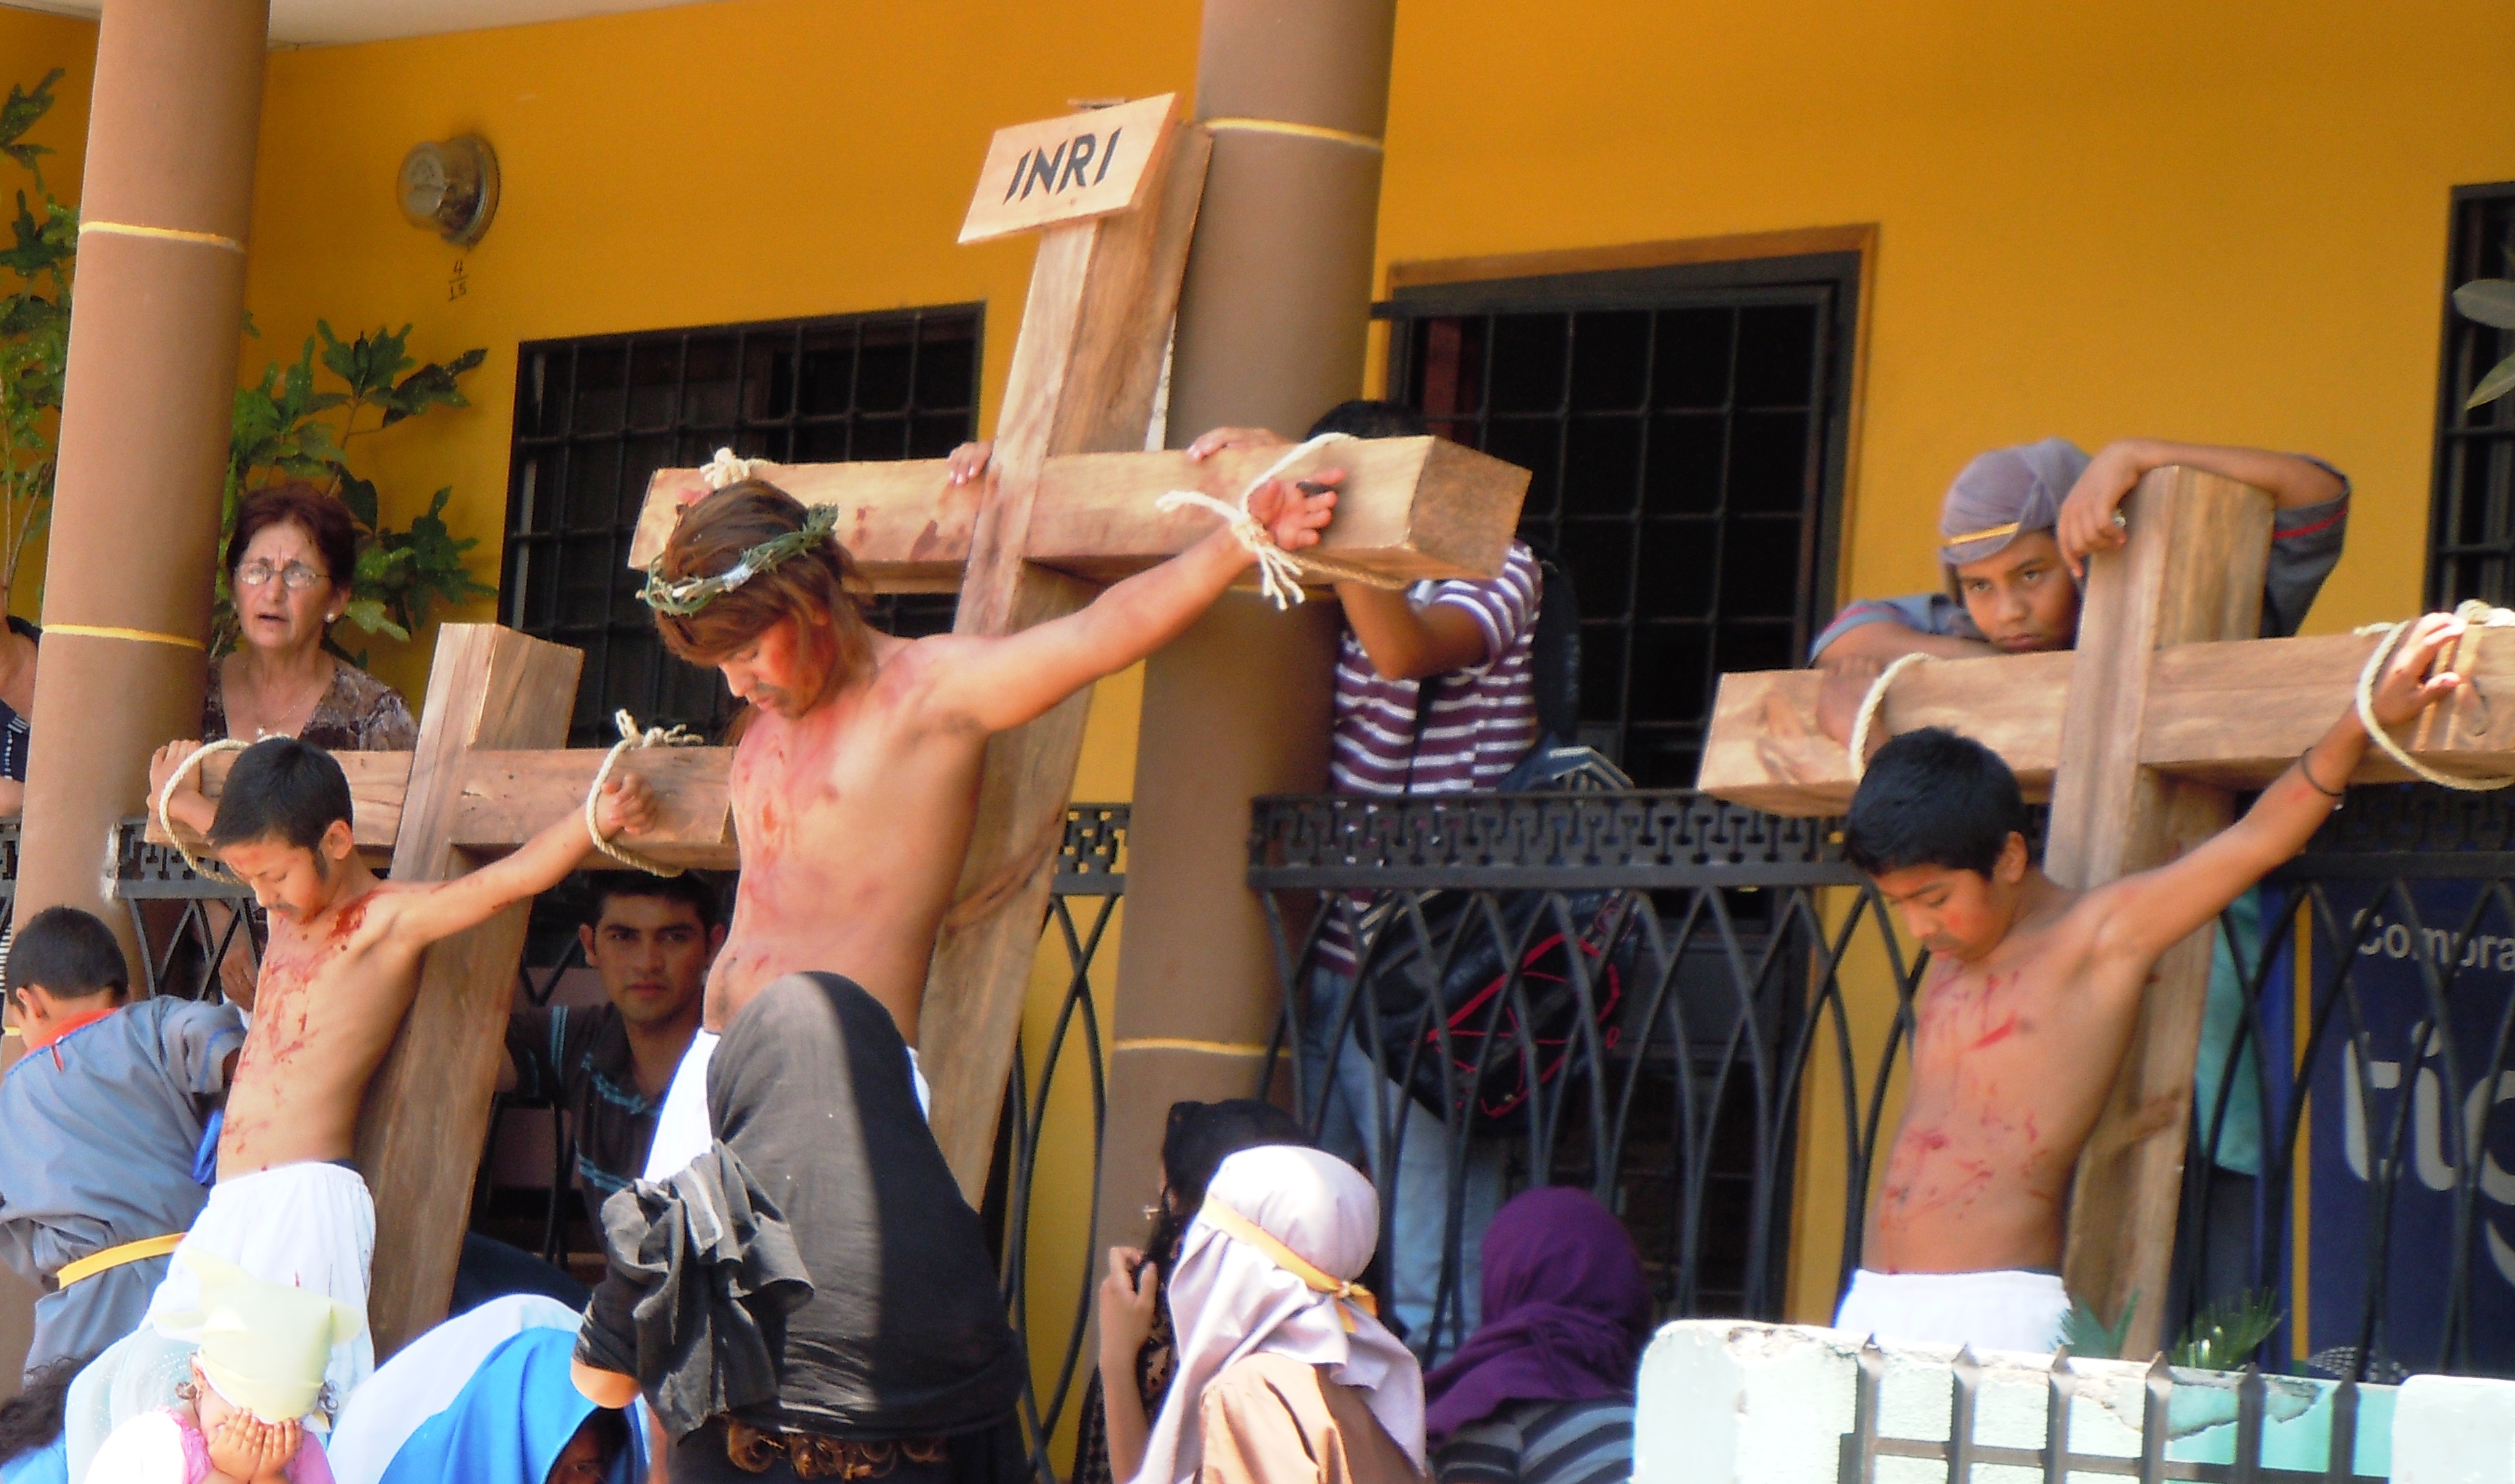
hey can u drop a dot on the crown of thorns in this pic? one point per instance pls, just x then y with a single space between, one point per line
688 595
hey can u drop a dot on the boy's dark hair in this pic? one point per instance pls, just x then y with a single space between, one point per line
68 954
1362 418
687 886
33 1419
281 789
1933 798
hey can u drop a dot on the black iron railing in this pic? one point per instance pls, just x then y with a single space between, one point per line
1710 1047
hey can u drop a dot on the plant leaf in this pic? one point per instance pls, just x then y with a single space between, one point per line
2496 384
360 495
2490 301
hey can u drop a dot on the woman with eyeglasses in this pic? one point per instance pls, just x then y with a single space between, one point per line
289 565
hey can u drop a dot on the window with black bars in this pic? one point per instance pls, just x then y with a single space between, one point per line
1686 430
2471 524
596 418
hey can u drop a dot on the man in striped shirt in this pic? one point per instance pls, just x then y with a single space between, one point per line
1435 693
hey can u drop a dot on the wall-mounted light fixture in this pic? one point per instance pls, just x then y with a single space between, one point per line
450 188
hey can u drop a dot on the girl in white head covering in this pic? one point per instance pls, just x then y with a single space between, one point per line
1276 1342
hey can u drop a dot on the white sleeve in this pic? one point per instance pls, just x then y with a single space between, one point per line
149 1449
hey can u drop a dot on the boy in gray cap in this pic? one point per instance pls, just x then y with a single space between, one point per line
2018 525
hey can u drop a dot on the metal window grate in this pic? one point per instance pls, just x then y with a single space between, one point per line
2471 525
1685 429
595 418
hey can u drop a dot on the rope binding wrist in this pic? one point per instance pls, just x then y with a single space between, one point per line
2473 612
1870 705
675 736
204 869
1279 571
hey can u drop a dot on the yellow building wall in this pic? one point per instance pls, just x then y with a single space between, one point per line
2220 221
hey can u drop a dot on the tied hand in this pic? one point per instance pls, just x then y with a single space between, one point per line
162 765
628 806
1127 1297
2405 688
1294 510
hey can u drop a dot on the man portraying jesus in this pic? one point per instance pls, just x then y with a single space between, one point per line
855 779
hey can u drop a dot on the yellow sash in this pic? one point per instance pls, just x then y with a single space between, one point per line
96 1262
1233 1224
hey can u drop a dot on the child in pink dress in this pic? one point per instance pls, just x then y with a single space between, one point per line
262 1349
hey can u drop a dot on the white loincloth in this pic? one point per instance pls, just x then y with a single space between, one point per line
2009 1309
311 1225
681 1130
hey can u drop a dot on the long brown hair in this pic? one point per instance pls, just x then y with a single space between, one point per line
711 538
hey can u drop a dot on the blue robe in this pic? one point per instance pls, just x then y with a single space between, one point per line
509 1424
103 1129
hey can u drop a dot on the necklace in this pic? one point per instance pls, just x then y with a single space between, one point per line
306 702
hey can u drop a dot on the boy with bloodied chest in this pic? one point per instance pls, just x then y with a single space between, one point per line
340 972
2025 1010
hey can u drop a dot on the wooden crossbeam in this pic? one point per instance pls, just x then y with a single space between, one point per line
503 799
2230 713
1409 508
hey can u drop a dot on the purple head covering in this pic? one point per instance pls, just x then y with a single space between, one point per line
2004 493
1565 1313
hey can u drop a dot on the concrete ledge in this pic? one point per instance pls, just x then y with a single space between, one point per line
1725 1402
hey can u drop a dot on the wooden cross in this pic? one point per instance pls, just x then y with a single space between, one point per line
2138 737
1070 505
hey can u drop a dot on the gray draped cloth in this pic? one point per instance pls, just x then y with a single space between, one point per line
823 1233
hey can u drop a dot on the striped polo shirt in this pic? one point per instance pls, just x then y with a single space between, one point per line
1456 731
1459 731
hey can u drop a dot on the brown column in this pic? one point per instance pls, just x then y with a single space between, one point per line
1272 330
144 447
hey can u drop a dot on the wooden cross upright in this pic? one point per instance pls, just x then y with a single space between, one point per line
2139 738
1070 505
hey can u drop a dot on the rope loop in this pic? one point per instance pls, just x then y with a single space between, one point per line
1279 571
676 735
204 869
1870 705
2472 612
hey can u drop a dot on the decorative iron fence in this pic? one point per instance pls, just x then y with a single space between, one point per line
1699 1012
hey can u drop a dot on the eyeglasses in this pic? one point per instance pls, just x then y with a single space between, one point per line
296 577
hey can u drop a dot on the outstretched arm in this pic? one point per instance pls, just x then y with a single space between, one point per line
420 918
2086 521
991 685
2138 918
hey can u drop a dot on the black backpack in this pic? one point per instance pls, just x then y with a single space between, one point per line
1457 1044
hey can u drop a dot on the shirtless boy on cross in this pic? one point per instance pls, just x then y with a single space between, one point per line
2022 1020
340 974
856 781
